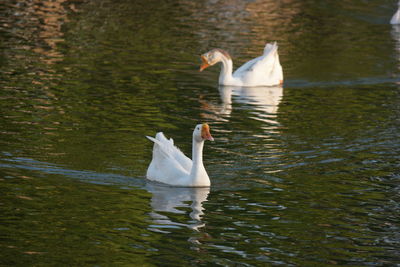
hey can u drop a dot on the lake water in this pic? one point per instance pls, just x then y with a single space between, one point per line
304 175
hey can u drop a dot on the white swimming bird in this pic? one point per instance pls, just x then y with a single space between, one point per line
264 70
396 17
170 166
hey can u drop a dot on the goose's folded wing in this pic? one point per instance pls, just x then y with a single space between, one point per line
265 62
170 151
396 17
164 167
248 66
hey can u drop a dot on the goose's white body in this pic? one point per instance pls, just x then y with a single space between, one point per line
170 166
264 70
396 17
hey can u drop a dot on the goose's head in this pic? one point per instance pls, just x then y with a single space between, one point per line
213 57
202 132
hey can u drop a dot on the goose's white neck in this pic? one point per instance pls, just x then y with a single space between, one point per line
198 172
225 76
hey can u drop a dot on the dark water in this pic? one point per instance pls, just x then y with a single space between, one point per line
304 175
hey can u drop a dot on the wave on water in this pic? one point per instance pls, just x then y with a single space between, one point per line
83 175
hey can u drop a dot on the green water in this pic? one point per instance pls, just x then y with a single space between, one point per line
304 175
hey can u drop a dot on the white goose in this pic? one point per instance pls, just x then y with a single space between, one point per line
170 166
396 17
264 70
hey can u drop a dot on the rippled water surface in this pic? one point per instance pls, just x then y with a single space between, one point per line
302 175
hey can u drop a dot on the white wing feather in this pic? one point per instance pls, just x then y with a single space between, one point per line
163 167
266 61
261 69
396 17
168 164
171 150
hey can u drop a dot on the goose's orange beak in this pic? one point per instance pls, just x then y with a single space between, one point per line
205 132
204 64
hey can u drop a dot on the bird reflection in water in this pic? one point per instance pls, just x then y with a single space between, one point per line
396 37
176 200
263 100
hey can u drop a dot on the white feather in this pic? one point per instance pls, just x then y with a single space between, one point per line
396 17
263 70
170 150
